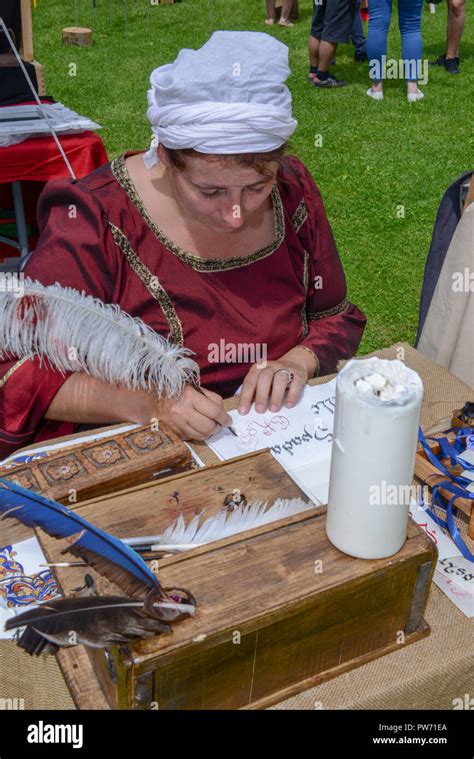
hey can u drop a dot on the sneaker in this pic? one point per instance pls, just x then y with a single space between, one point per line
361 57
329 83
412 97
452 66
441 60
375 95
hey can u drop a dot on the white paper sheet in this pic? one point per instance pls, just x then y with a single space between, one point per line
299 438
457 586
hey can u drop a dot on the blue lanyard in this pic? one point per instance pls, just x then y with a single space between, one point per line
455 484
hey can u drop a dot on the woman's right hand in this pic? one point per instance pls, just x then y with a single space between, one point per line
194 416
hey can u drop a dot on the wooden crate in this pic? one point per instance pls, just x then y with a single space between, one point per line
271 619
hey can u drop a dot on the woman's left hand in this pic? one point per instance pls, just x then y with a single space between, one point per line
267 384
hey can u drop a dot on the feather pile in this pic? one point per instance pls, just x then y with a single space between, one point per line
76 332
96 622
180 536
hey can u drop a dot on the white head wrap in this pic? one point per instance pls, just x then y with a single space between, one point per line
227 97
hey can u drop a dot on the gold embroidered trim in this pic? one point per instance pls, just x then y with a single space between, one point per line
300 215
152 284
121 174
329 311
13 369
318 365
304 319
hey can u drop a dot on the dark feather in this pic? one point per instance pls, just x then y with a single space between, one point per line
94 621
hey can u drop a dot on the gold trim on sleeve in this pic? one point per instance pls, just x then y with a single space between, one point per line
121 174
304 319
152 284
13 369
300 215
329 311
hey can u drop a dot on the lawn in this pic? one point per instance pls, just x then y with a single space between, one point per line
375 156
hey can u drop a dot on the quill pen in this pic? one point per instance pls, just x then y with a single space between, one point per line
109 556
79 333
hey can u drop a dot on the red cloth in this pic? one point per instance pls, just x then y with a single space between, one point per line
39 159
291 293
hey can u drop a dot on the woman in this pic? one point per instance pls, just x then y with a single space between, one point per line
409 21
213 237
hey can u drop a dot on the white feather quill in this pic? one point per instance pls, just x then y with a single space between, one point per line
79 333
180 536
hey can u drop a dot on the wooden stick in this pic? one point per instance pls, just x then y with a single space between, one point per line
26 31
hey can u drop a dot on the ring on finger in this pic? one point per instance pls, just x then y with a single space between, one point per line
290 374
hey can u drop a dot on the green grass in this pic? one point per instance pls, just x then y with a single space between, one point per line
375 156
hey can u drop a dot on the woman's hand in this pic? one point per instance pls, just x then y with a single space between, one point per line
194 416
85 399
267 384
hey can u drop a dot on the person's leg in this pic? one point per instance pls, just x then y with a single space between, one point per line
313 49
317 26
338 22
358 37
270 12
285 13
456 19
409 21
327 51
380 13
455 28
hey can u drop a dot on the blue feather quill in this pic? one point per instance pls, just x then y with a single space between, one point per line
109 555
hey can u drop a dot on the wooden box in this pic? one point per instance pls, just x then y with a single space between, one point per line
280 609
89 469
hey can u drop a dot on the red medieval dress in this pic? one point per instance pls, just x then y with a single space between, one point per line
291 292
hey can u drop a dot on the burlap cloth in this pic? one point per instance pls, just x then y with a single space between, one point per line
428 674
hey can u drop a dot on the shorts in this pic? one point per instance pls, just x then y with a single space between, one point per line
332 20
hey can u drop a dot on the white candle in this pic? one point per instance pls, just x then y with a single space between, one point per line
377 413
